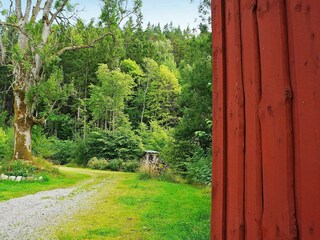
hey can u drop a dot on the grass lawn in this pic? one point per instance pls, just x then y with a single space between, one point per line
67 178
143 209
126 207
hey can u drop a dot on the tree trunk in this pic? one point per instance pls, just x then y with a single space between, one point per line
22 127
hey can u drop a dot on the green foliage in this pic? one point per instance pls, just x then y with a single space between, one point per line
60 125
122 144
131 67
115 164
41 145
169 176
199 168
130 166
46 95
161 95
107 100
137 89
58 151
63 151
99 164
6 144
3 144
155 137
18 168
114 11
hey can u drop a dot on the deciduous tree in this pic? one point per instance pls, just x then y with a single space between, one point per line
29 44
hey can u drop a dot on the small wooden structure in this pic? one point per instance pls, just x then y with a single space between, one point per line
151 163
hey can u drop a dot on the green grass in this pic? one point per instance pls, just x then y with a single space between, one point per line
126 207
67 178
143 209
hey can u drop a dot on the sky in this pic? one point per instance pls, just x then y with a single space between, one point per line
180 12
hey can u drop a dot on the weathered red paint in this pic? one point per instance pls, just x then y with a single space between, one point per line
219 127
252 88
266 119
235 124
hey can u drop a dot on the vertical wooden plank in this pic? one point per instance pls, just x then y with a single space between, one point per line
219 125
235 124
252 90
276 123
304 43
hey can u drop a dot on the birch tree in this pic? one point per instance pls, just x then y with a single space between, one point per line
29 44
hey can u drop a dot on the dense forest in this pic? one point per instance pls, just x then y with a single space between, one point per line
119 89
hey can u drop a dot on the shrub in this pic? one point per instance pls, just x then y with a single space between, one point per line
115 164
44 165
199 168
19 168
131 166
58 151
41 145
3 144
82 151
64 151
106 144
169 176
6 143
99 164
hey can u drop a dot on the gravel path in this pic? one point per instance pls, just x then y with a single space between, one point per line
28 217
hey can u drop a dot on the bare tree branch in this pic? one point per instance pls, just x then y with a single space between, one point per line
42 120
90 45
58 11
15 26
38 121
35 11
46 11
18 9
3 52
11 6
28 9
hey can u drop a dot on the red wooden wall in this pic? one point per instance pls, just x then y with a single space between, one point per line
266 119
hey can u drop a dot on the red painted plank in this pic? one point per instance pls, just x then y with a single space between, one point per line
219 125
304 42
276 123
235 124
252 89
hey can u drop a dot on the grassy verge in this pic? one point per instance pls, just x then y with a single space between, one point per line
129 208
67 178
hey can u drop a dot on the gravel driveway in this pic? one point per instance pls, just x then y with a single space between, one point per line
28 217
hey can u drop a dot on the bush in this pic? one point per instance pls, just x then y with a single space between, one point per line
122 144
44 165
41 145
64 151
199 168
19 168
99 164
58 151
169 176
3 144
82 152
6 143
131 166
115 164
